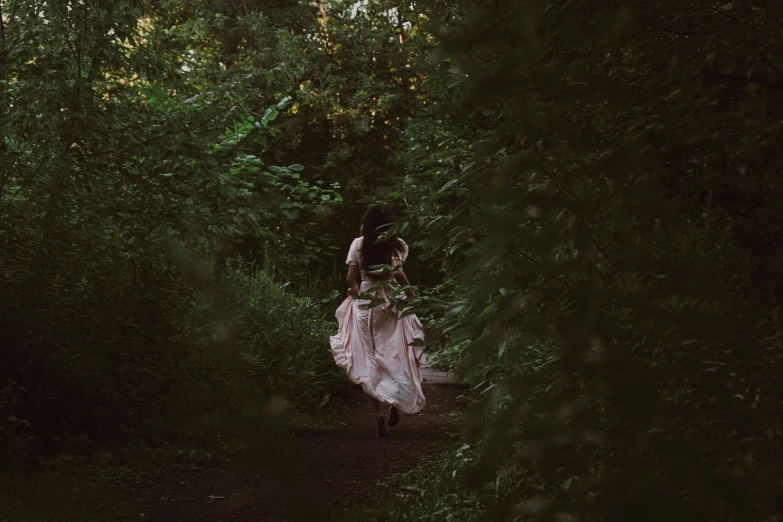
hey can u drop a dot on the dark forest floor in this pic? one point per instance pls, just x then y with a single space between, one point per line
315 474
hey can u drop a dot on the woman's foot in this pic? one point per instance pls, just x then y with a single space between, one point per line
382 431
394 416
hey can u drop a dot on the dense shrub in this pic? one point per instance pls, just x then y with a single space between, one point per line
604 188
98 356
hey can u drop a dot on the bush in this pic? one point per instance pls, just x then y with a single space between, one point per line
110 352
285 340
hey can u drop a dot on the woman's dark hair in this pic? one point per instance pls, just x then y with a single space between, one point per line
376 222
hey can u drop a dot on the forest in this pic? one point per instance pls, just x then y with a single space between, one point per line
589 192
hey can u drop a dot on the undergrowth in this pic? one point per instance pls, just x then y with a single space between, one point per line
441 490
178 387
207 361
69 494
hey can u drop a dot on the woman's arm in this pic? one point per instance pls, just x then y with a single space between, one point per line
353 272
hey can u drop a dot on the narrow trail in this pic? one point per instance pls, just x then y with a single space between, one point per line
319 472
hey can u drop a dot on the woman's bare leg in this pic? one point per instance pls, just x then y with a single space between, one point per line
382 431
394 416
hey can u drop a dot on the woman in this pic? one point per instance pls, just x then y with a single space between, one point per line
373 344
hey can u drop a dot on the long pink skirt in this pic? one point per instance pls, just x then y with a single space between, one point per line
375 352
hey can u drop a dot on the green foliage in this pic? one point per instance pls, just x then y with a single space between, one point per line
117 150
357 81
592 191
286 341
592 176
433 492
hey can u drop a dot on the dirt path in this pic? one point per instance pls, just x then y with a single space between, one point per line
316 473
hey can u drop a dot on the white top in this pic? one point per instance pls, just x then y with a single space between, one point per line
355 252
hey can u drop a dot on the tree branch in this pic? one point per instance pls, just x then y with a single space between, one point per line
235 7
2 30
71 45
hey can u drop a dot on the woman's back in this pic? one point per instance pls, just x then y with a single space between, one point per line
355 258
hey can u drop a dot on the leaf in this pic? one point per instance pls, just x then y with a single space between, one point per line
448 185
334 294
569 481
281 105
502 348
269 115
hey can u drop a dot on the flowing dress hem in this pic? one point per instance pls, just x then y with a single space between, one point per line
392 374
